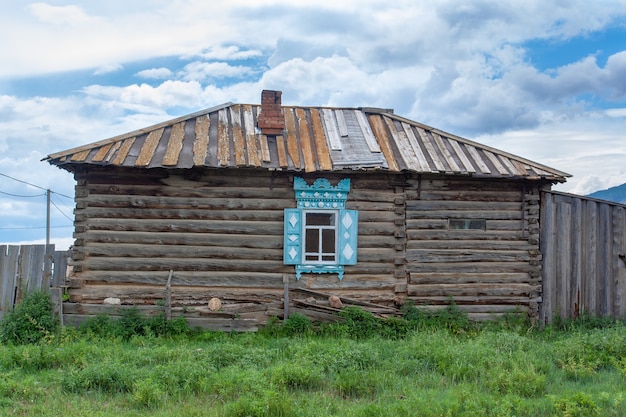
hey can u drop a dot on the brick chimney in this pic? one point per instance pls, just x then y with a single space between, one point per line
271 119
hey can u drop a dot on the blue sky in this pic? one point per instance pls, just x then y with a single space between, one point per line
542 79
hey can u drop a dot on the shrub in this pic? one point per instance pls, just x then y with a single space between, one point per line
297 324
30 321
359 324
297 376
576 405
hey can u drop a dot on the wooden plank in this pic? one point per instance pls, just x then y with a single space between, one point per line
101 153
80 156
478 160
430 149
421 160
404 147
282 152
370 139
383 141
113 151
547 236
332 134
201 143
441 144
619 247
121 155
250 136
9 255
341 123
148 148
604 259
223 138
60 268
467 165
305 141
321 146
239 148
575 258
265 148
496 162
174 145
293 147
591 271
30 270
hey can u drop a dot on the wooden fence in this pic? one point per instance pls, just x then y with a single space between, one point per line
27 268
584 261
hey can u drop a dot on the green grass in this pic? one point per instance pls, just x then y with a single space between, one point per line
425 364
430 370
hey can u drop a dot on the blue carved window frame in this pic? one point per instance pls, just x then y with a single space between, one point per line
320 198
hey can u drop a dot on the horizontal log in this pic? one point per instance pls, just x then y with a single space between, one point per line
226 325
418 278
177 213
462 205
493 245
150 294
467 235
465 255
472 300
470 267
192 226
473 290
182 264
155 202
417 213
480 308
178 238
138 250
187 189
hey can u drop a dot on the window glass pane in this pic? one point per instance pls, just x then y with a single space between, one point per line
467 224
328 258
328 240
320 219
312 240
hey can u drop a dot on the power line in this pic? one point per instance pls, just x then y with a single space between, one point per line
61 211
33 185
34 227
21 196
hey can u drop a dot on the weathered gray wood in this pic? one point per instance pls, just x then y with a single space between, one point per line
8 273
580 248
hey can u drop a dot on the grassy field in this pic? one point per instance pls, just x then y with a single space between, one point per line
420 366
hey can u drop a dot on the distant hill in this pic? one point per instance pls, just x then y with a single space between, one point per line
616 194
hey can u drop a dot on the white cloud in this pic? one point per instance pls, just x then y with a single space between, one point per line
200 71
155 73
107 69
60 15
229 53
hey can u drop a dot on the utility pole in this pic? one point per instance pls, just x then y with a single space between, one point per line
47 217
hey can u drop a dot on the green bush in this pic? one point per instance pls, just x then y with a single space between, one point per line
297 324
30 321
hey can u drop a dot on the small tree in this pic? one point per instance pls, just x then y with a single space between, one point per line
30 321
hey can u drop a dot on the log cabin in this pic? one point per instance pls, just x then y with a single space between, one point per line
270 208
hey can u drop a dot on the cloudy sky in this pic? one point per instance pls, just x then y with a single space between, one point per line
543 79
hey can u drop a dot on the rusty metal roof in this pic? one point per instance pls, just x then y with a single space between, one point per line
314 139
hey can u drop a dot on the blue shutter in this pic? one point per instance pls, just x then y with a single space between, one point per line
348 233
292 246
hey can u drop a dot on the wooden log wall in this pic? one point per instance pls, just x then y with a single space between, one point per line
584 246
221 232
486 272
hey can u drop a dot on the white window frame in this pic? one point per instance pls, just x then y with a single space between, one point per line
320 254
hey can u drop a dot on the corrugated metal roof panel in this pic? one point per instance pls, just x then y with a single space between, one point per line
314 139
